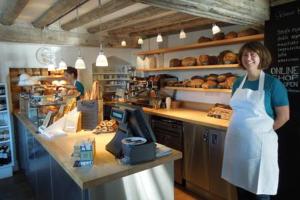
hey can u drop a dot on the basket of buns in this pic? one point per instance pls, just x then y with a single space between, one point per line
106 126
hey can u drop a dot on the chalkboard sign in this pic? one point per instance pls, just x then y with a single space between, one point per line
282 37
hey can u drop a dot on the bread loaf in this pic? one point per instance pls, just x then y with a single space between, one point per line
223 85
209 84
175 62
227 57
212 77
189 61
230 80
231 35
219 36
207 60
204 39
222 77
196 83
247 32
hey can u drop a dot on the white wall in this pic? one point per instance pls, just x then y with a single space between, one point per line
24 55
192 37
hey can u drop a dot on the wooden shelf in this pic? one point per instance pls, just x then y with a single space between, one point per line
114 79
198 89
111 73
182 68
237 40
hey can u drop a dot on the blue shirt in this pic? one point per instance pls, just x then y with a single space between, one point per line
79 87
275 92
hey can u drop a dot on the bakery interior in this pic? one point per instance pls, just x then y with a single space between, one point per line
155 73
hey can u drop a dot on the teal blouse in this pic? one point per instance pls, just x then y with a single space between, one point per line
275 92
79 87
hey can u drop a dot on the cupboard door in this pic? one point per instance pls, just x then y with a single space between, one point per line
196 155
217 185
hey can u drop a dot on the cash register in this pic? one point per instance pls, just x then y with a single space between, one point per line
132 123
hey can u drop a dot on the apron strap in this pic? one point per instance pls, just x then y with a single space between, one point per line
261 81
243 82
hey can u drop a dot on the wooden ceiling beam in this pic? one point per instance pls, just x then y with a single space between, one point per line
153 24
108 8
11 10
188 26
35 35
143 15
58 9
242 12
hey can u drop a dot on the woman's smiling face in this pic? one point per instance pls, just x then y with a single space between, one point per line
250 60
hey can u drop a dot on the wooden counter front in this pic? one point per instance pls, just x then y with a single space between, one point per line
106 168
191 116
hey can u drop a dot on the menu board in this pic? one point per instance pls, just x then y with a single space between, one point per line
282 37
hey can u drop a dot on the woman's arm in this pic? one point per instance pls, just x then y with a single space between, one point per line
282 116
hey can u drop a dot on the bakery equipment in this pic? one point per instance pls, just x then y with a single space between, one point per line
132 123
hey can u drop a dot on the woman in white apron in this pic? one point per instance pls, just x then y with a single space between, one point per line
250 153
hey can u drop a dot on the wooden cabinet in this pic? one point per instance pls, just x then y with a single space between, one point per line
203 150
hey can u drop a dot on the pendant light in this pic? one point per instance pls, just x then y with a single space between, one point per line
215 29
79 64
140 40
62 65
123 43
101 60
182 34
159 38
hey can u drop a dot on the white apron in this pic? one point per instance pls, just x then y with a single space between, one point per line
251 146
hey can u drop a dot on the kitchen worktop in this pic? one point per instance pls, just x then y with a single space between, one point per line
106 168
189 115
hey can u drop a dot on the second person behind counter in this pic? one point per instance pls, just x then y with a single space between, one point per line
71 75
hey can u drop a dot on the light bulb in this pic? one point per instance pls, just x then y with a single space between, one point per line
159 38
182 34
62 65
79 64
140 41
123 43
215 29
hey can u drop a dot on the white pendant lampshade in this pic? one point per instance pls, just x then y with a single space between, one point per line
182 34
159 38
140 41
101 60
123 43
62 65
79 64
215 29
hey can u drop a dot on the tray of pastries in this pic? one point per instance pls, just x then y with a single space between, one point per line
220 111
106 126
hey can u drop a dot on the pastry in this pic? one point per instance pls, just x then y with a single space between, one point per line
223 85
230 80
231 35
212 77
175 62
196 77
247 32
222 77
203 39
209 84
196 83
189 61
219 36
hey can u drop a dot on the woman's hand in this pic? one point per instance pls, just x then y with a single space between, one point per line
282 116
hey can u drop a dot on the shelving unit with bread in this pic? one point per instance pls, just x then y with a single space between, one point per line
198 89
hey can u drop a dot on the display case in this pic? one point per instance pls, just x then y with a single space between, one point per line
6 138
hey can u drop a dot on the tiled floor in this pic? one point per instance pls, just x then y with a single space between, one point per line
17 188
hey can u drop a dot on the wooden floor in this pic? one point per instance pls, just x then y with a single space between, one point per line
17 188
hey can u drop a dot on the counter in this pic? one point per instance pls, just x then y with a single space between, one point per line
107 173
190 116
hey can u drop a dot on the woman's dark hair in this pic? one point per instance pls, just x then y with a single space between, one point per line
72 70
262 51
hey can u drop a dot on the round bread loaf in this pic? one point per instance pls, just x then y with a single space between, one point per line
219 36
212 77
202 60
175 62
223 85
189 61
204 39
230 80
247 32
227 57
196 83
231 35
